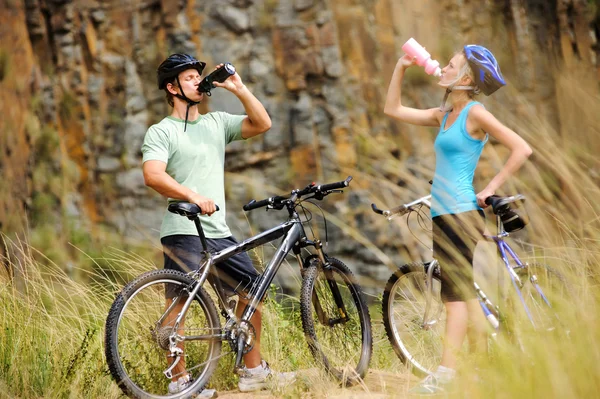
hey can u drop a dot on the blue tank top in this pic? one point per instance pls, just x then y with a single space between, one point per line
457 154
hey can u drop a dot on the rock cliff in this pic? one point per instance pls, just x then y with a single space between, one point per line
78 91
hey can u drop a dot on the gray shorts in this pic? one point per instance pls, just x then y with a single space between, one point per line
183 253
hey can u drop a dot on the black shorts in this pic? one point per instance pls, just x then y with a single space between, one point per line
183 253
454 240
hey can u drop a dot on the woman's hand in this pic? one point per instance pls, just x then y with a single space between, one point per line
406 61
483 195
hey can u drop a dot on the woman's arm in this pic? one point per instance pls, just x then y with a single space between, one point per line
393 102
519 149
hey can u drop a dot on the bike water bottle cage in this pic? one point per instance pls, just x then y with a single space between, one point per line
485 68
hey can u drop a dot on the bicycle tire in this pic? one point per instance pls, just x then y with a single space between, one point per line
346 358
557 297
137 365
403 306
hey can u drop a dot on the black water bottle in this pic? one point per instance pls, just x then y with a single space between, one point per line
218 75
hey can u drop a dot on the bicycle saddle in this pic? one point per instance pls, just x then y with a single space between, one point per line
500 204
186 209
511 220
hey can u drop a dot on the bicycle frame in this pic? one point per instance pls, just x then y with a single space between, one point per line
294 239
505 251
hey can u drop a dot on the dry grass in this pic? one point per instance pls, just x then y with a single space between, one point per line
52 326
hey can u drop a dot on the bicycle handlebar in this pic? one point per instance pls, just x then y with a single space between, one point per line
334 186
495 201
402 209
321 191
253 204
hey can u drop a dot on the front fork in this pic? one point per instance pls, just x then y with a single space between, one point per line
326 266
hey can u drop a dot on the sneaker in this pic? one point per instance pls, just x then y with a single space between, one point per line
251 380
184 382
430 385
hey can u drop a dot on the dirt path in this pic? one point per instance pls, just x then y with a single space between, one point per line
377 385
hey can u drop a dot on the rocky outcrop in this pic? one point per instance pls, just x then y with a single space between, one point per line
78 91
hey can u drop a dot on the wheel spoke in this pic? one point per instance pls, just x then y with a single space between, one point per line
418 346
338 331
140 328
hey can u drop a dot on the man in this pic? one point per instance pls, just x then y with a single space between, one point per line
184 159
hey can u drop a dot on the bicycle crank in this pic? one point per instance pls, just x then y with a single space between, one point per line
241 338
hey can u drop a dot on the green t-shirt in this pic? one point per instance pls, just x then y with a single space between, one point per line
195 159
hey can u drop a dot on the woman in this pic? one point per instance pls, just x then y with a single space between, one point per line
455 208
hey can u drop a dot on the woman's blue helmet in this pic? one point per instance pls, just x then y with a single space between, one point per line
485 68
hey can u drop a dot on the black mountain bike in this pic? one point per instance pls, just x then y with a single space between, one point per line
335 317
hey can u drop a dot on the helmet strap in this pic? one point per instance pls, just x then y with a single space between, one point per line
190 103
449 90
443 104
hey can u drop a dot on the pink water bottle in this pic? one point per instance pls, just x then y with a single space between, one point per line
414 49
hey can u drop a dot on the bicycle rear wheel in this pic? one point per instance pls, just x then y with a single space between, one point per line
136 341
417 344
336 320
547 296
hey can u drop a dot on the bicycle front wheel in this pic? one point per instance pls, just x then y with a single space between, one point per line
417 342
137 336
336 320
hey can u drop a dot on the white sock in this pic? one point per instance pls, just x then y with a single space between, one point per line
445 374
256 369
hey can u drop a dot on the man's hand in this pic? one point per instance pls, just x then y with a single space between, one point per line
207 205
233 83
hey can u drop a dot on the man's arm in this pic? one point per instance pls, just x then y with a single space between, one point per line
257 120
156 177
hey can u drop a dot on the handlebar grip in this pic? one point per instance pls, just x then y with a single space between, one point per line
253 204
267 201
335 186
376 210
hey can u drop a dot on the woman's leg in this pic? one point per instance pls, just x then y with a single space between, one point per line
477 330
457 319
